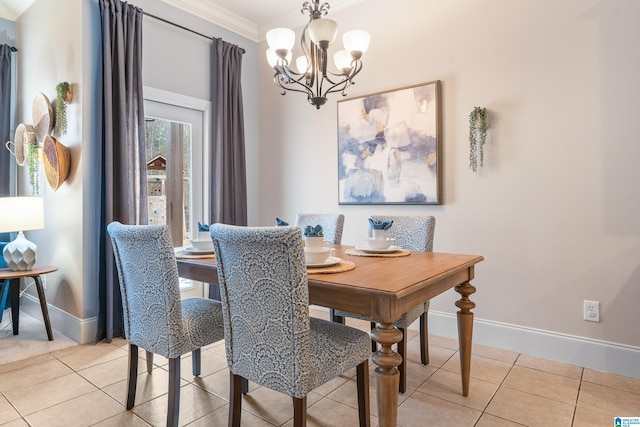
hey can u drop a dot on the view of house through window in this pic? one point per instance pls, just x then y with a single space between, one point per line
168 176
176 166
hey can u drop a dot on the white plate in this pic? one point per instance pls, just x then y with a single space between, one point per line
332 260
391 248
193 251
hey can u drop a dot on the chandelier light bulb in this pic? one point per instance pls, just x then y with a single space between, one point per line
323 32
356 41
281 38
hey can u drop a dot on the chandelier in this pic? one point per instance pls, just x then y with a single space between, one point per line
312 76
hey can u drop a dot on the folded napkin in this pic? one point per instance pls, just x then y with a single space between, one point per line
202 227
376 224
316 231
281 223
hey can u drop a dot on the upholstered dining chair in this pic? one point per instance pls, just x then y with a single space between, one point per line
155 319
4 284
332 224
270 338
416 234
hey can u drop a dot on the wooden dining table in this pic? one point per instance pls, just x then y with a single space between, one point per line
384 288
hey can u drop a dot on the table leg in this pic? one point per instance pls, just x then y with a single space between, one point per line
14 291
43 307
386 374
465 332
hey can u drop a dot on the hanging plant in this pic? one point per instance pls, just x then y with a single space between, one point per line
34 168
477 136
63 92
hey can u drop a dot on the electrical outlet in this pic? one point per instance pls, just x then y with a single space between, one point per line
592 311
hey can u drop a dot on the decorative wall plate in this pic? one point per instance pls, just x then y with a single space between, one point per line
23 137
56 159
42 114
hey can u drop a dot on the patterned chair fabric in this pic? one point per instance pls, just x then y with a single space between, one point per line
270 338
4 284
155 319
332 225
414 233
411 232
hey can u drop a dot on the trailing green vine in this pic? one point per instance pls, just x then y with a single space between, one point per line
477 136
63 90
34 168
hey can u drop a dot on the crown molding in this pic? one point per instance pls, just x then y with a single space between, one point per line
208 10
219 16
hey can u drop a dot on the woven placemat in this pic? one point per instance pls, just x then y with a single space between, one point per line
185 255
398 253
340 267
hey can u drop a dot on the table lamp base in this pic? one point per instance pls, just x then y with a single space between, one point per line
20 254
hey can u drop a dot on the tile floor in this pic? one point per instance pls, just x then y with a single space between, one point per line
85 386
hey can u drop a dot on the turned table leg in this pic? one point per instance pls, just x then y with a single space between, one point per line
386 374
465 332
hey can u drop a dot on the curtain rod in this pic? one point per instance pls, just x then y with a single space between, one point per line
182 27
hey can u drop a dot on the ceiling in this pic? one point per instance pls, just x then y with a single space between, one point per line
249 18
12 9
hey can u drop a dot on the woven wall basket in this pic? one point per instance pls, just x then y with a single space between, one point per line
56 159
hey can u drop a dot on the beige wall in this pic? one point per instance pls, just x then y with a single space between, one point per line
555 209
51 52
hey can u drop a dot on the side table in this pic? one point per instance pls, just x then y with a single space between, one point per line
14 278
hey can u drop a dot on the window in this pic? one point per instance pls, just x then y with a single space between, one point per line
175 129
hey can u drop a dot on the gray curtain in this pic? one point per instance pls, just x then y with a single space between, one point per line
228 180
6 106
122 147
5 117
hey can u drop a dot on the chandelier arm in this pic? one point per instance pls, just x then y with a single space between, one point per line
357 67
347 81
281 79
316 81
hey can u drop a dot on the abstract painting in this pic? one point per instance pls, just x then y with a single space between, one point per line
389 147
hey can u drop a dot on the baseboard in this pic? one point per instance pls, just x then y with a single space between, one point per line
81 330
589 353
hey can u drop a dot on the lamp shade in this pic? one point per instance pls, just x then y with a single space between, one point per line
302 64
281 38
273 58
342 59
323 30
356 41
21 214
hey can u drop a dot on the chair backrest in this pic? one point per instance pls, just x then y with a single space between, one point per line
3 264
149 286
332 225
265 304
411 232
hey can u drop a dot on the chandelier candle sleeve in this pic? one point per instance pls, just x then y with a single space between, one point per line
312 76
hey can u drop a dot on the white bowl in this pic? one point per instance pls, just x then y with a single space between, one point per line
316 255
380 244
202 244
